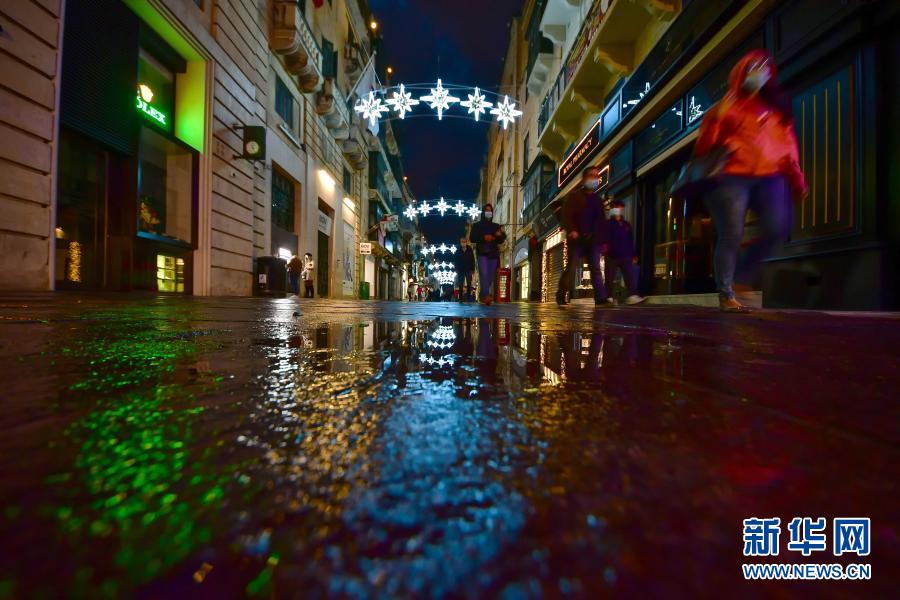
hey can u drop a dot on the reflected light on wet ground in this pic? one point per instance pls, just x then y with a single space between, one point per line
228 447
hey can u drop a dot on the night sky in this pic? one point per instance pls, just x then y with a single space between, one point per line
463 42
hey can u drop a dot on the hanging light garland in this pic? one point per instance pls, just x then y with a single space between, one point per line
442 207
442 249
401 100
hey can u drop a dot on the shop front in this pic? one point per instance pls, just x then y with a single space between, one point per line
521 271
128 164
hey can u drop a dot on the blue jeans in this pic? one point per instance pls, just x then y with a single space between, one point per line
728 203
487 270
577 252
295 283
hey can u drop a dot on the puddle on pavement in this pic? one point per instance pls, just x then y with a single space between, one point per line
373 458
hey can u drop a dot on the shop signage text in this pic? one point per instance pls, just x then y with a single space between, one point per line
144 96
365 247
583 151
324 223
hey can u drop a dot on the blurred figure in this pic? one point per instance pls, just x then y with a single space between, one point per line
411 290
755 124
465 269
309 271
295 269
585 224
621 255
487 237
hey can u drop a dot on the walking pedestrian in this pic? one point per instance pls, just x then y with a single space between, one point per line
753 128
465 269
586 230
309 271
487 237
621 255
295 268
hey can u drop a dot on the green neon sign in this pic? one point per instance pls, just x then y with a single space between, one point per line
144 96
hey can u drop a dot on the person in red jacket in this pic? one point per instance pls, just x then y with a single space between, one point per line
755 124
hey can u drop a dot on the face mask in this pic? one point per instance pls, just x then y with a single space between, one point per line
755 80
616 212
592 184
488 215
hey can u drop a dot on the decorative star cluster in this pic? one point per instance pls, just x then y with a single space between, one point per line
438 99
402 101
371 108
443 207
442 248
506 112
440 265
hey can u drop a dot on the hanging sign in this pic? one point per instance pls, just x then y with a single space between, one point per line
324 223
580 154
365 247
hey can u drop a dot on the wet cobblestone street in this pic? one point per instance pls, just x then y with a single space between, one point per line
162 447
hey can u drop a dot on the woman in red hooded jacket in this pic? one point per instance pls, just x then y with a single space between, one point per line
755 124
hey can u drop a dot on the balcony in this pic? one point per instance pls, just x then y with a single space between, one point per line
540 51
607 47
331 105
538 188
293 39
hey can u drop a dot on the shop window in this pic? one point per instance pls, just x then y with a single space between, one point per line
664 128
282 201
284 102
169 274
165 187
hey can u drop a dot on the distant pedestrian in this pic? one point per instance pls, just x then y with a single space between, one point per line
752 128
309 272
411 290
295 269
621 255
487 237
465 270
419 293
584 220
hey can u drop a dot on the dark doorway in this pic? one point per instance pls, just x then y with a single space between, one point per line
322 275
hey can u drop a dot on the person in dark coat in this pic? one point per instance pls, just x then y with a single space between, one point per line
465 269
621 254
487 237
584 220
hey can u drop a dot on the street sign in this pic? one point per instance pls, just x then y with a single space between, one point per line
365 247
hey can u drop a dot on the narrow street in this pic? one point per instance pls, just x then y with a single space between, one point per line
160 446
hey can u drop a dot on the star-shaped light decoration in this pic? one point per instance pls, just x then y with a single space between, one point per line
453 249
371 108
424 209
506 112
410 212
442 206
425 251
474 212
460 208
476 104
442 247
440 99
402 101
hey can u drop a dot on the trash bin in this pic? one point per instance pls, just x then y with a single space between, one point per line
363 290
270 275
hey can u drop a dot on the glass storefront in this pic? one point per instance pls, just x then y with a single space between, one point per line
682 236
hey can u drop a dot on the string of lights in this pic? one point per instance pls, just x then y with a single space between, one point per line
439 98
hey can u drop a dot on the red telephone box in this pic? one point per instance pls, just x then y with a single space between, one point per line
504 282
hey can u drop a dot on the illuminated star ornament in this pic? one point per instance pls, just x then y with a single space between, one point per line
371 108
402 101
440 99
474 212
442 206
506 112
410 212
460 208
476 104
424 209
